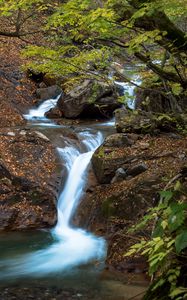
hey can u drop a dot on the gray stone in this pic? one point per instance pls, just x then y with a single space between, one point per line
136 170
89 99
48 92
118 140
119 175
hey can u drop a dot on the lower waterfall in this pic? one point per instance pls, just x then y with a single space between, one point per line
71 246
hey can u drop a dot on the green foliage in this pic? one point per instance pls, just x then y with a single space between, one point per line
85 36
181 241
8 7
91 33
166 249
176 88
68 61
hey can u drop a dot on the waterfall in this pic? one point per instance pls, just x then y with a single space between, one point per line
76 180
39 112
72 246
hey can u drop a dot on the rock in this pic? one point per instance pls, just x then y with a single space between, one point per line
42 85
91 99
42 136
105 164
136 170
151 99
120 175
143 146
142 122
132 171
54 113
11 133
118 140
133 121
28 181
48 92
110 156
155 99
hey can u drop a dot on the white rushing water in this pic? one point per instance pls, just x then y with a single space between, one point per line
76 180
72 246
129 90
39 112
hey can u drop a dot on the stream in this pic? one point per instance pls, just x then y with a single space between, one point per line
64 256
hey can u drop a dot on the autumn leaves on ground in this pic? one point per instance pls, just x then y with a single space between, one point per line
27 159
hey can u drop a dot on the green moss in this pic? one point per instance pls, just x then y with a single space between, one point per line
108 207
100 152
94 93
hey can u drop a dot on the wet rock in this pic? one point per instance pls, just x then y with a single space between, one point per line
48 92
54 113
28 181
91 99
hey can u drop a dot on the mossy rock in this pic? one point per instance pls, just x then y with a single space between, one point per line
142 122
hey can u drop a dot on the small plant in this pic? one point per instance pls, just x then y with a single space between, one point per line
101 152
166 249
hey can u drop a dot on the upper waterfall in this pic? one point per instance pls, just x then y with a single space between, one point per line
40 111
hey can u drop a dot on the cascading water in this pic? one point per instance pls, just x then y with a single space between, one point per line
71 246
39 113
73 189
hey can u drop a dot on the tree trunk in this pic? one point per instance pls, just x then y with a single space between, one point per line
174 38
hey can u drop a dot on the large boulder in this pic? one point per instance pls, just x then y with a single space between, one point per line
104 162
91 99
156 99
142 122
152 99
49 92
28 180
